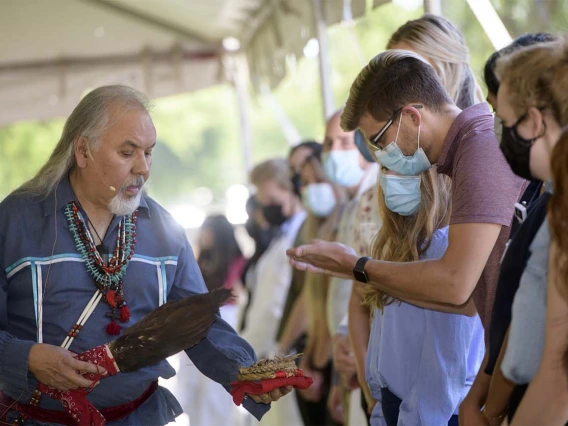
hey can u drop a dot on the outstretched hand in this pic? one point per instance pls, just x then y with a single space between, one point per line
325 258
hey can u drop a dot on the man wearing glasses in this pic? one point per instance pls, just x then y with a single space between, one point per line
404 112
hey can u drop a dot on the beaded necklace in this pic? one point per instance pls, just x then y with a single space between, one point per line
108 277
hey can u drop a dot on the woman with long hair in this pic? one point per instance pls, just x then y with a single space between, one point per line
220 258
221 262
442 44
420 362
533 105
323 202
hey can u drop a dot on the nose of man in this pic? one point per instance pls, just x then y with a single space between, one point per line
142 166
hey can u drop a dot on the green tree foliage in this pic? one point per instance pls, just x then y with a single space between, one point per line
198 133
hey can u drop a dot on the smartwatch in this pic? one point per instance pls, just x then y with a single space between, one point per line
359 270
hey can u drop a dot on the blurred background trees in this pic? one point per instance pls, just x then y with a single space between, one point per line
199 153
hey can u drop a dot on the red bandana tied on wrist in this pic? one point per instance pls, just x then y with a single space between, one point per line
75 401
267 375
149 341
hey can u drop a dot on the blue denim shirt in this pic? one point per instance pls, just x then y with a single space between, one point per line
428 359
44 287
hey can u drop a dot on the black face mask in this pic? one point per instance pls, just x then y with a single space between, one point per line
273 214
517 151
297 184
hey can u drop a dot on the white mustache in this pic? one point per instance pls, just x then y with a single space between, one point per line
136 182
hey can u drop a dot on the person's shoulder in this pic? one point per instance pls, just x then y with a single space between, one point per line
19 203
478 129
441 234
438 244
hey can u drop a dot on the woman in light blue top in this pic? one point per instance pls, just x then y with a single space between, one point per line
420 363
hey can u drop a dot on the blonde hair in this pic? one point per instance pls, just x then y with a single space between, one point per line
390 81
443 45
536 76
275 169
406 238
97 111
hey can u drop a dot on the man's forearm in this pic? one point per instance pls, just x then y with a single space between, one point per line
431 282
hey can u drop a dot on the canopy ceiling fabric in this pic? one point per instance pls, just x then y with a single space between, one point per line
53 52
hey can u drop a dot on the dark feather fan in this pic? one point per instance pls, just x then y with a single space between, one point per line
171 328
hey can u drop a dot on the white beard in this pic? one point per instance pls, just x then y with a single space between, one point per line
121 205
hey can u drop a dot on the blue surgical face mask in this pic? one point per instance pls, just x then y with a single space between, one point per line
402 193
319 199
342 167
393 159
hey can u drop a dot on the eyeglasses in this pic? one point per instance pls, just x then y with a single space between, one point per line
374 140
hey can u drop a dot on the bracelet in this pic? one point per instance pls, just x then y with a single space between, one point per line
499 417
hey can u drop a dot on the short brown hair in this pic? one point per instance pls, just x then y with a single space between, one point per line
536 77
391 80
275 169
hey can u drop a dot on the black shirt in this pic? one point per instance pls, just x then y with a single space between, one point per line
512 267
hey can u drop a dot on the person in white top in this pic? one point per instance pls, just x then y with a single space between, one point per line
281 207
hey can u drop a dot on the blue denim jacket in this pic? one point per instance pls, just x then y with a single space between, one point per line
44 287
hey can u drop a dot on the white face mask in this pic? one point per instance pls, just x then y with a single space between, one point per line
342 167
319 199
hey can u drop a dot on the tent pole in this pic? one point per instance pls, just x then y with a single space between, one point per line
492 24
324 60
433 6
290 131
238 74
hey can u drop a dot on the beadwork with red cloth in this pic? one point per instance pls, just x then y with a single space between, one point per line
267 375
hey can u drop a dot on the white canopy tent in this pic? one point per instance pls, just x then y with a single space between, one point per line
53 51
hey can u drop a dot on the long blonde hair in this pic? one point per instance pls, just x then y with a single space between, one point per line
406 238
443 45
90 118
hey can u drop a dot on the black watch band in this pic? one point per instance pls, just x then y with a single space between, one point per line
359 270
